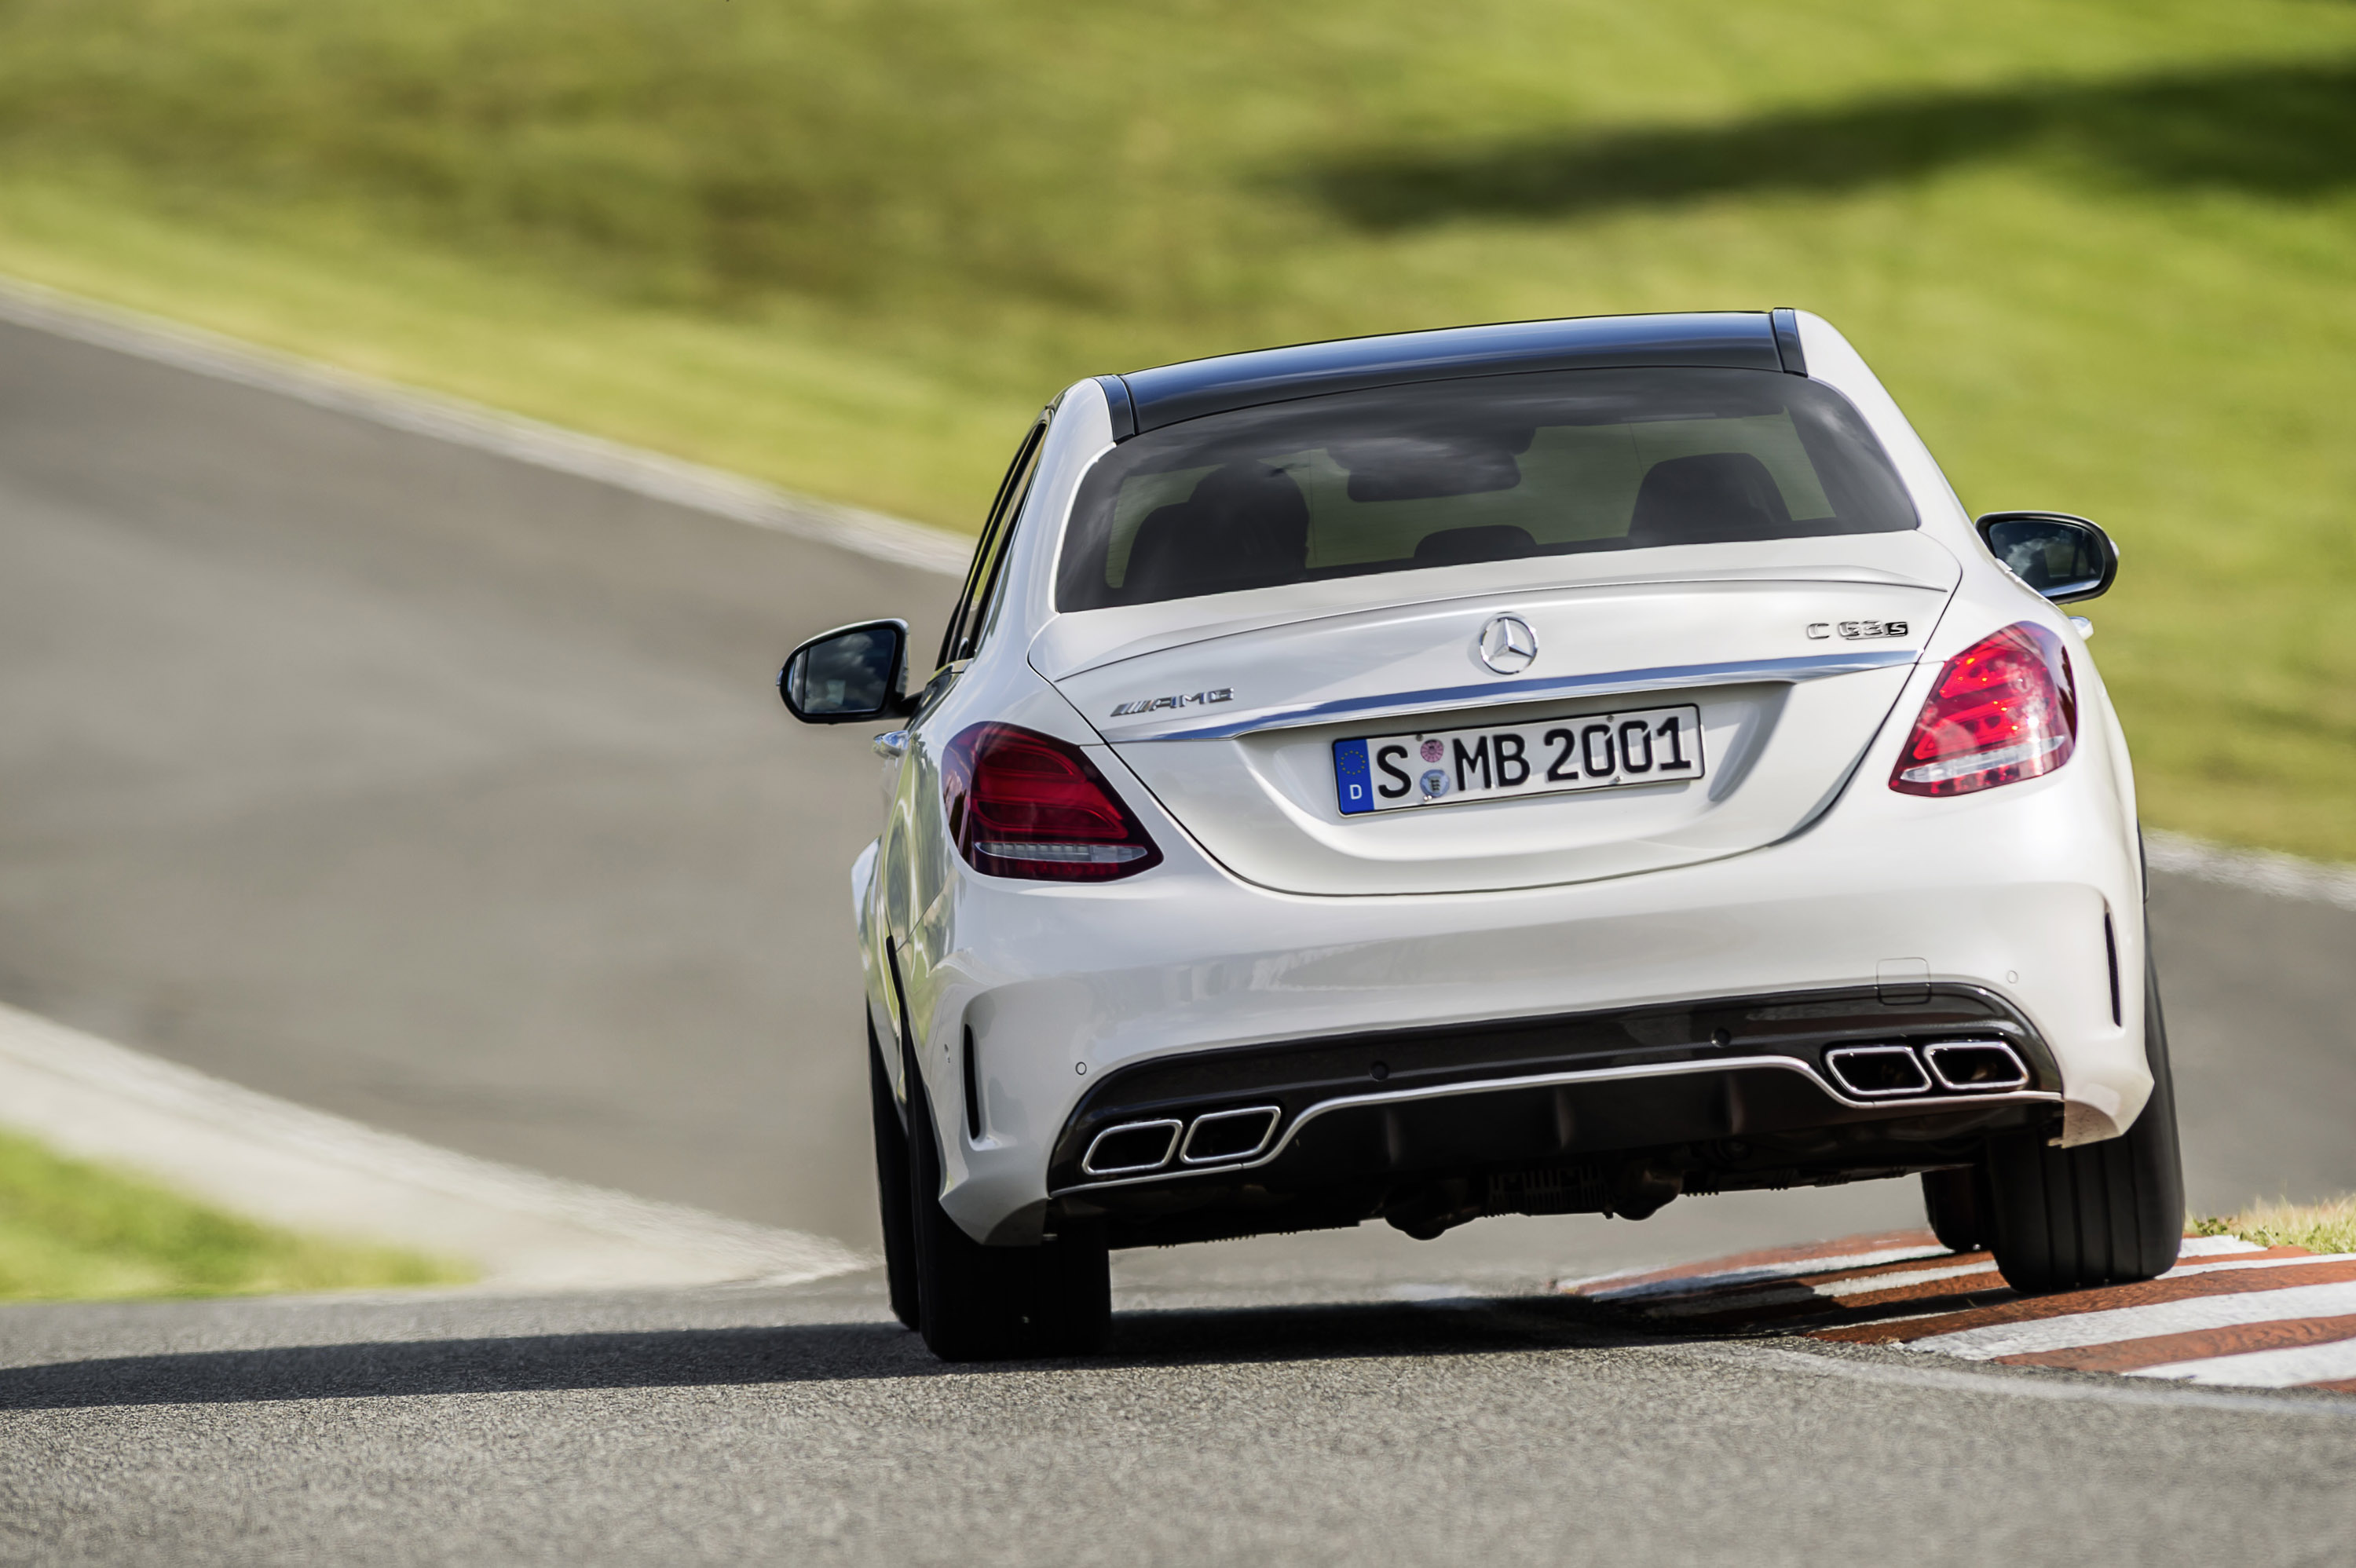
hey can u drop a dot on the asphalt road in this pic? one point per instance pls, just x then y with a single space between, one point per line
451 794
726 1428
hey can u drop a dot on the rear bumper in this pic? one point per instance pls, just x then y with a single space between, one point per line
1613 1112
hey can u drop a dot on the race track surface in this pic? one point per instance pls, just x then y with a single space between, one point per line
792 1427
451 794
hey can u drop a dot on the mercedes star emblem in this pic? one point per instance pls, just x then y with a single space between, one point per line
1508 646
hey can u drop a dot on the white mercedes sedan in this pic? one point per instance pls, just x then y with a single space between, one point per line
1546 768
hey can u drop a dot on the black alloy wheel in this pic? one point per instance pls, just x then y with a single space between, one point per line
891 1188
991 1304
2102 1214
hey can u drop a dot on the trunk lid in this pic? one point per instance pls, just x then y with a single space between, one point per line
1227 707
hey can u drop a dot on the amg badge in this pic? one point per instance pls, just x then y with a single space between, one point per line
1149 704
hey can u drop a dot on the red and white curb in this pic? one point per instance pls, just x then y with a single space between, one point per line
2231 1313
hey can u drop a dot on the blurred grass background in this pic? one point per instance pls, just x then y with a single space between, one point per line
2102 250
74 1230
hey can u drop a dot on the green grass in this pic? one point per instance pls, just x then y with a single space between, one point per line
73 1231
2319 1226
2104 251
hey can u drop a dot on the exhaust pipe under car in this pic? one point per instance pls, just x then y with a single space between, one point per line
1895 1071
1877 1071
1975 1066
1221 1138
1131 1147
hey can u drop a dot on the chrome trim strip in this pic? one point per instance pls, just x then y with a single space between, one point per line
1087 1160
1491 694
1553 1079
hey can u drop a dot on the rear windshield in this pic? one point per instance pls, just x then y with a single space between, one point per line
1487 468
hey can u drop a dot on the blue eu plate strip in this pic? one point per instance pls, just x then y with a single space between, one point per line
1352 780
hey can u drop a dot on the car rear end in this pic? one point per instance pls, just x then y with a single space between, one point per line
1545 790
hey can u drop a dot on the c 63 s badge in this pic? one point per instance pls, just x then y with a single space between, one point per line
1856 630
1151 704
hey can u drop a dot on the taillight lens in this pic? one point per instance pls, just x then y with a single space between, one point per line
2004 711
1025 805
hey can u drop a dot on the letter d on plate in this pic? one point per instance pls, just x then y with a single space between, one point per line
1352 780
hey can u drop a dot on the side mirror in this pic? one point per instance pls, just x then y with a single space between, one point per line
2064 557
849 675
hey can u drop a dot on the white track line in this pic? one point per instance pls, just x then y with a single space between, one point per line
2115 1324
463 423
272 1160
2286 1368
2243 1265
2006 1383
2261 870
1873 1283
2215 1246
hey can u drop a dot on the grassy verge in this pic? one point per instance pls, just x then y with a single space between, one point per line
72 1230
2319 1226
2105 250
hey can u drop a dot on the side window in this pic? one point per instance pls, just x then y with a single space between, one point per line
982 580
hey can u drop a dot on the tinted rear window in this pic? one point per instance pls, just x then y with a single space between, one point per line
1487 468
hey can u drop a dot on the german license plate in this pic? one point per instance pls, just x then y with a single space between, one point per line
1595 751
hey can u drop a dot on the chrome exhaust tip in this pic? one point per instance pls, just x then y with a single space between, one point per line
1131 1147
1975 1066
1226 1136
1877 1072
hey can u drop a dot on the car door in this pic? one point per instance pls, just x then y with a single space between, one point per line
915 856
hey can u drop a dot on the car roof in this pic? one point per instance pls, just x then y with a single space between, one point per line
1742 340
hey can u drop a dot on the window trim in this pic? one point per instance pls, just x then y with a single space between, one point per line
969 620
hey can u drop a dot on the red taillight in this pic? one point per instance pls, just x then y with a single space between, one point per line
2004 711
1026 804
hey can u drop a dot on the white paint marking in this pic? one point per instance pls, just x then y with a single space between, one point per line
2006 1383
2239 1265
1869 1285
2285 1368
2115 1324
2260 871
2215 1246
288 1165
463 423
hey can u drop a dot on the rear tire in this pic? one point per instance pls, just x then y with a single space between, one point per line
891 1188
1956 1203
2102 1214
989 1304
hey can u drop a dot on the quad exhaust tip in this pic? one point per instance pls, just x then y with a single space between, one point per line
1220 1137
1132 1146
1896 1071
1877 1071
1975 1066
1225 1136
